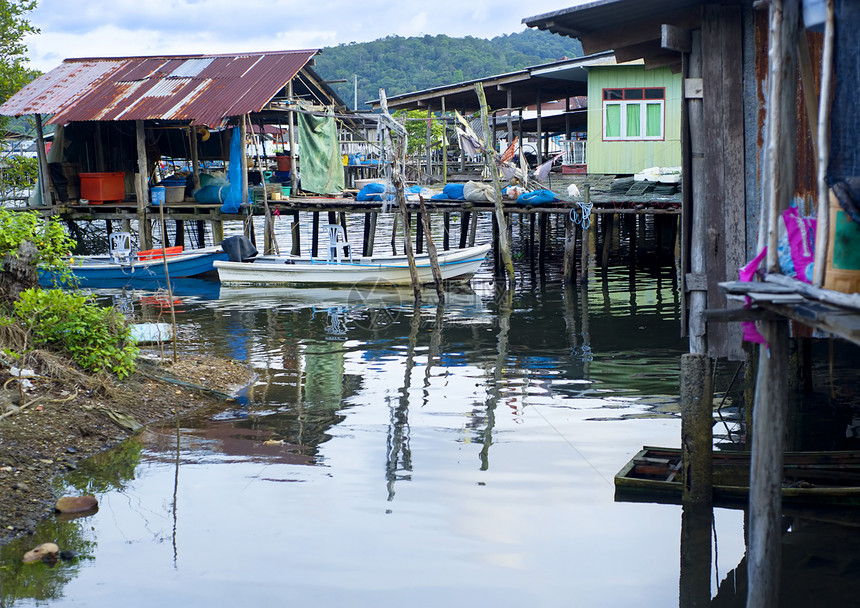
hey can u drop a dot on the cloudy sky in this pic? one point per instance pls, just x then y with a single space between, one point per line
82 28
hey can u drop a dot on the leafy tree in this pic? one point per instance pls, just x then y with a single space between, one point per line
416 127
400 65
14 25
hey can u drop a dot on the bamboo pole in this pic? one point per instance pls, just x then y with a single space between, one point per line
399 137
825 99
489 159
291 122
431 250
270 241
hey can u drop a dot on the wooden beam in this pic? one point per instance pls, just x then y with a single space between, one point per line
633 52
663 60
650 29
675 38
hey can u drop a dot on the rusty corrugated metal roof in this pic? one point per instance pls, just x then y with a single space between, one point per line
203 89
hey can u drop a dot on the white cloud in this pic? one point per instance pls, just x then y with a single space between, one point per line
78 28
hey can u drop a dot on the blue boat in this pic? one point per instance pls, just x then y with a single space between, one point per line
100 270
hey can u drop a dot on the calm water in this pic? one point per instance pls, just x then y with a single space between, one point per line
388 455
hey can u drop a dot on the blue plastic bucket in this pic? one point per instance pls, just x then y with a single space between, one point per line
158 194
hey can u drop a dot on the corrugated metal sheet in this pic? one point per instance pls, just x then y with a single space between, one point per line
203 89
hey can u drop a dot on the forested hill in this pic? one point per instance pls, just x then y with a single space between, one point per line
401 65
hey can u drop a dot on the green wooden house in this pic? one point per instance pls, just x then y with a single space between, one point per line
634 118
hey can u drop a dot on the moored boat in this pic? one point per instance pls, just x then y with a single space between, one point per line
456 265
820 479
97 270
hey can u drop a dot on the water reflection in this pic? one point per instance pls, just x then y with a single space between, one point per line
446 449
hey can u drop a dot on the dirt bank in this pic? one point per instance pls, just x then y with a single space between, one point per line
58 419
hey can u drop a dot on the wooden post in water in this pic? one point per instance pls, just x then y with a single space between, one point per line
769 411
369 232
446 230
464 228
569 265
399 136
419 234
295 233
489 159
431 250
769 429
697 420
315 234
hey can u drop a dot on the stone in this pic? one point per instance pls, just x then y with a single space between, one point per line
43 551
76 504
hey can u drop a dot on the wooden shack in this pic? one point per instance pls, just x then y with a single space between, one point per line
758 137
117 118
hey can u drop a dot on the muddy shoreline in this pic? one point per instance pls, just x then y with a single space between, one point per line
52 424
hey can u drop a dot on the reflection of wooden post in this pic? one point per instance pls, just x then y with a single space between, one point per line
695 581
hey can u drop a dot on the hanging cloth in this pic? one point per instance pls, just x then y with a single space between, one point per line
321 162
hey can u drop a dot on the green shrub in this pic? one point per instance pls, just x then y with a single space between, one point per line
20 172
49 237
97 338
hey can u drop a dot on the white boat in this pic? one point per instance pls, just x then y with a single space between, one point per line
456 265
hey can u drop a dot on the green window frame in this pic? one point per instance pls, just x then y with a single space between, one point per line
634 114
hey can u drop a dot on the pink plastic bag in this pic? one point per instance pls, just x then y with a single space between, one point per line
750 331
801 242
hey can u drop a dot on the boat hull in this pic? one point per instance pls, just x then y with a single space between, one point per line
455 265
811 479
93 271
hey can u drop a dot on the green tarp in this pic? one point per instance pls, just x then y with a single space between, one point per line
321 163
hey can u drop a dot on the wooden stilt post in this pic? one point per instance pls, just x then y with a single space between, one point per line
696 393
315 234
142 187
464 228
419 234
446 230
201 233
569 264
431 250
473 228
769 429
44 172
532 236
296 234
542 222
371 233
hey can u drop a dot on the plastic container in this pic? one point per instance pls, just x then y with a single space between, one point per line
285 191
99 188
285 163
283 176
174 194
843 251
158 195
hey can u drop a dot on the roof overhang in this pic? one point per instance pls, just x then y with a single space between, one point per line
655 31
